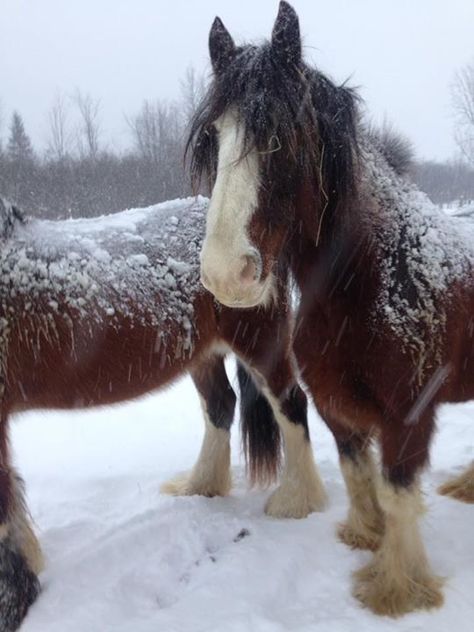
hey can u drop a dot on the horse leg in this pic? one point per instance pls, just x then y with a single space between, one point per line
20 553
399 578
364 526
210 475
301 490
460 487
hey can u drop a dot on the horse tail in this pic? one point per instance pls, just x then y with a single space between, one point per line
260 432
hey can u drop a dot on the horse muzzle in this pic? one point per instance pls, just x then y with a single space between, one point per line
234 281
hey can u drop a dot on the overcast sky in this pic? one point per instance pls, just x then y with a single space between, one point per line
402 54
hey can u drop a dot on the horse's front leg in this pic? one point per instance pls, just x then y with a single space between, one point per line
20 554
301 490
365 523
211 474
399 578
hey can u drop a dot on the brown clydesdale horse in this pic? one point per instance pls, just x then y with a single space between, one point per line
102 310
384 328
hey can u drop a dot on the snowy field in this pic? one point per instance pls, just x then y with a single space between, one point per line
123 557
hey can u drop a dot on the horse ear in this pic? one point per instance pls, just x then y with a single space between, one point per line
286 39
221 46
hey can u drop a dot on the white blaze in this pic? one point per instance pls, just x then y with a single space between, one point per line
234 197
227 248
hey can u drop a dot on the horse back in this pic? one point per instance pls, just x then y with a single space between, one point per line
101 310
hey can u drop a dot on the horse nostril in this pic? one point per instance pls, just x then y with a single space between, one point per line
251 270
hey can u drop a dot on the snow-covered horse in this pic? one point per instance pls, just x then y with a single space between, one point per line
102 310
384 329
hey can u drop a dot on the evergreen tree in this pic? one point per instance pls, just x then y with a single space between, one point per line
19 145
19 168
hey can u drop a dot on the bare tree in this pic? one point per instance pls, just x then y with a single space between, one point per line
89 127
86 179
145 132
445 182
463 102
193 88
59 134
156 130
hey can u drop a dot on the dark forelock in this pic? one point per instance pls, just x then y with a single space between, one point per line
285 106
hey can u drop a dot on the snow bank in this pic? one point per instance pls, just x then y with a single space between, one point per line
122 557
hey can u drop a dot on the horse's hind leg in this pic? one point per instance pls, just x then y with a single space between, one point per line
399 578
460 487
210 475
20 554
364 525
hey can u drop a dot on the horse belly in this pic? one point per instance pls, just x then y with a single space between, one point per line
99 365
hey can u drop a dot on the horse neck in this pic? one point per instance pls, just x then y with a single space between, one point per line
329 244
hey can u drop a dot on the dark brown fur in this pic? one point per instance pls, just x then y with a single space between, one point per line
345 223
314 216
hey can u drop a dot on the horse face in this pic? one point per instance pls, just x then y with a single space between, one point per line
244 231
238 252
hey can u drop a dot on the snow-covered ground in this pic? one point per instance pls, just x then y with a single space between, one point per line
459 207
122 557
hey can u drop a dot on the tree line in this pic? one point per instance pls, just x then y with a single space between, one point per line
445 182
78 176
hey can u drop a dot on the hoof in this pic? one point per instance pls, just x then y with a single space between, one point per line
19 588
185 485
359 538
460 488
384 595
288 503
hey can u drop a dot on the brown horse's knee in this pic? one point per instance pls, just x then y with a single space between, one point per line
405 449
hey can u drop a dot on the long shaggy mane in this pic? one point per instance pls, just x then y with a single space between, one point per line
396 148
288 108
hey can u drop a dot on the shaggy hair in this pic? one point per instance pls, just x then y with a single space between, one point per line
282 106
396 148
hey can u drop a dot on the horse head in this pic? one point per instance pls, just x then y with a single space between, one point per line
270 131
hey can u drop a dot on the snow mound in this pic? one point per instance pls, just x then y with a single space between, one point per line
122 557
